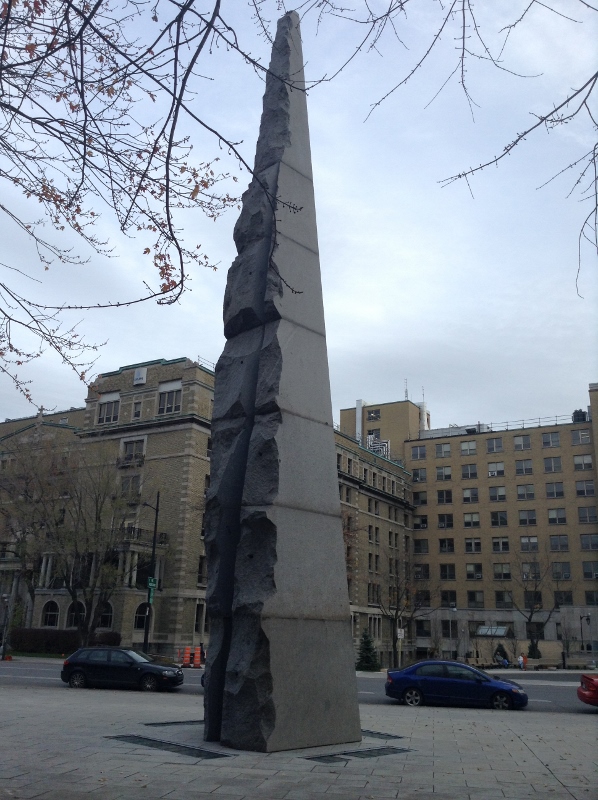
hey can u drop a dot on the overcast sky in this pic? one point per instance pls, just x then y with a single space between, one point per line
472 300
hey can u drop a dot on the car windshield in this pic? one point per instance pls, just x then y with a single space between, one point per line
137 656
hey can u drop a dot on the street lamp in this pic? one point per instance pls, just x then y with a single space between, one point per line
152 569
581 619
6 604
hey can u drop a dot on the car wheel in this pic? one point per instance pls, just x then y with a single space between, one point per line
501 701
149 683
413 697
77 680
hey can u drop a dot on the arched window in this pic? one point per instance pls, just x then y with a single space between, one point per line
71 617
139 624
105 616
50 615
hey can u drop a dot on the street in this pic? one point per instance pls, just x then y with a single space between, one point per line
552 692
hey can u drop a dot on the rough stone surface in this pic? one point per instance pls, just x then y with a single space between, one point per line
280 672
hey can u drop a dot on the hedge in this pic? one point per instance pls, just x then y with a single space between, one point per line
49 640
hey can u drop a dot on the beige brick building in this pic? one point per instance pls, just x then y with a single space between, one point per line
504 524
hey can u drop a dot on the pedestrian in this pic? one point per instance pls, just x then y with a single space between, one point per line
520 661
524 662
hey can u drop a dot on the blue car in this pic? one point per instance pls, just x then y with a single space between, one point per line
452 683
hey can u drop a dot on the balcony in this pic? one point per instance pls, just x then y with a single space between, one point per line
143 536
130 460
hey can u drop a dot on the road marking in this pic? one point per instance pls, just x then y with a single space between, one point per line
30 677
366 692
563 684
530 700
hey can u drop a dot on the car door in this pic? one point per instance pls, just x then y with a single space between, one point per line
123 670
464 685
431 679
96 668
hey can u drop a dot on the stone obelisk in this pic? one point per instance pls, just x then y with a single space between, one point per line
281 667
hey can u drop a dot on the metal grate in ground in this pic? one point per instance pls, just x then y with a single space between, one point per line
372 752
171 747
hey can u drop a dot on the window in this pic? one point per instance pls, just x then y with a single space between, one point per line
108 412
589 541
587 514
535 630
339 462
418 452
445 520
347 494
443 473
592 598
503 599
530 571
525 491
446 545
443 450
376 508
527 517
377 563
420 523
421 572
582 462
370 562
50 615
365 475
420 546
370 533
532 600
202 571
377 535
502 572
498 519
496 469
73 612
563 598
500 544
559 543
422 598
561 571
105 616
494 445
468 448
445 496
374 433
552 464
473 572
447 572
523 467
419 475
373 414
471 520
498 494
470 495
450 630
590 570
473 545
581 436
475 600
448 599
555 490
529 544
137 410
140 615
133 451
522 443
551 440
130 488
420 498
557 516
350 466
169 402
469 471
584 488
423 627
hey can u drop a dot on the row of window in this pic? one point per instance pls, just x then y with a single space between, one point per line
168 403
500 544
499 519
502 600
370 477
51 615
561 570
495 444
496 469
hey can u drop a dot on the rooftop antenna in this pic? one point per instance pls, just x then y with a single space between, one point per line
423 395
406 393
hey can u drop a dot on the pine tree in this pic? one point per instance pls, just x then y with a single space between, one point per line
368 658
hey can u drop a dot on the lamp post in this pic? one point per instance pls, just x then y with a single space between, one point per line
6 604
581 619
152 569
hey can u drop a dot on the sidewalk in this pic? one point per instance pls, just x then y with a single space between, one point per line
56 744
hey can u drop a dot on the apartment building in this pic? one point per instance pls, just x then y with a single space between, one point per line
504 529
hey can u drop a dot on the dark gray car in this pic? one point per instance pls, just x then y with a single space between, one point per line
115 666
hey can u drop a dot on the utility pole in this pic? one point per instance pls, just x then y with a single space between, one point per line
151 581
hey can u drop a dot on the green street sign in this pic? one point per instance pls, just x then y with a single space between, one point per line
151 596
152 583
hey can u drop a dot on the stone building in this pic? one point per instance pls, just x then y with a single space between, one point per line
504 524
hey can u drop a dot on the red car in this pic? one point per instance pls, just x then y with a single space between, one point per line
587 692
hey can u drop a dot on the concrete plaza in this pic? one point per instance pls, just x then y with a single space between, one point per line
56 744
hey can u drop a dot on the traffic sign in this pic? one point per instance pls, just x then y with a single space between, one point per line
152 583
151 596
400 633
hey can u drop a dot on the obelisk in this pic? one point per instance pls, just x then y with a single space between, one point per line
281 668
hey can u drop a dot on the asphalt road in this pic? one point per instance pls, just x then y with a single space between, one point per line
552 692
